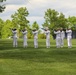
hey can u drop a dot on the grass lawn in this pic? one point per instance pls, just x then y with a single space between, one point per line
41 61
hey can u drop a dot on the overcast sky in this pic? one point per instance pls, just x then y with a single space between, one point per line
37 8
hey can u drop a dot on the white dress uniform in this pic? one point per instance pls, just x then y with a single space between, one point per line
24 38
35 33
58 38
14 38
47 33
62 38
69 37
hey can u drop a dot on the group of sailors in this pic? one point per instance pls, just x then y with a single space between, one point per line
60 35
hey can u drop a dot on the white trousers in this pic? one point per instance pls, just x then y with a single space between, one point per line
24 42
69 41
48 42
36 42
62 42
15 42
58 40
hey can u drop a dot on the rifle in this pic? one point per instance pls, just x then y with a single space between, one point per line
44 29
12 29
33 29
23 30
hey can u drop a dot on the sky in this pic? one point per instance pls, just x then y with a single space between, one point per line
37 8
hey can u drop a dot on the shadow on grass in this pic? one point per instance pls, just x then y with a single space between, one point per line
42 54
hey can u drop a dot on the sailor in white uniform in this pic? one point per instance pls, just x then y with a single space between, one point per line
14 31
35 33
47 33
24 32
62 37
69 37
58 38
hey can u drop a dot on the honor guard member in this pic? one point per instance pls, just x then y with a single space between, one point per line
14 31
62 37
47 33
35 33
69 37
24 32
58 37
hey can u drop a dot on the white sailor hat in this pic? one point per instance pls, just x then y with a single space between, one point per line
46 28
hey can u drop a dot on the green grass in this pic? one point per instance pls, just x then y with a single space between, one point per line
41 61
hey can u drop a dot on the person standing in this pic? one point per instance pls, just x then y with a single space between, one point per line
35 33
62 37
24 32
58 37
47 33
69 37
14 31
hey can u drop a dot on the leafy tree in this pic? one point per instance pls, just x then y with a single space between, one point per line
41 36
61 21
6 32
19 18
2 6
53 20
1 26
72 22
35 25
50 18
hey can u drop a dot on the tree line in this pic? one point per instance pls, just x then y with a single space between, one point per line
53 20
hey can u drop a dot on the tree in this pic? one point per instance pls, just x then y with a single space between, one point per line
72 22
35 25
53 20
6 32
2 6
19 18
1 26
50 18
61 21
72 25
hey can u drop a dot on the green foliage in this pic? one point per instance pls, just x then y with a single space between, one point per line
6 32
29 35
35 25
2 7
1 26
41 36
19 18
72 22
61 21
2 0
50 17
53 20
